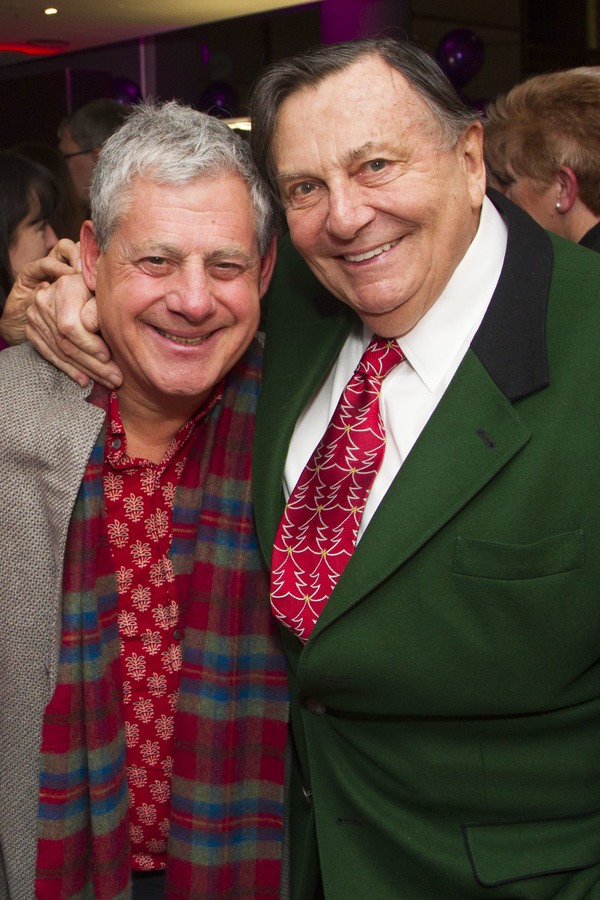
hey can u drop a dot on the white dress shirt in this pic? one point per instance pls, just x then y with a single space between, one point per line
434 349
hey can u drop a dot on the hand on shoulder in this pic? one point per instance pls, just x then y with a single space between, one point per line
62 260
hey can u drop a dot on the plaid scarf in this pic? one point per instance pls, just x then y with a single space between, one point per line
227 786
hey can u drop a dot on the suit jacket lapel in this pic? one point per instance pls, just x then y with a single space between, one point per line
511 340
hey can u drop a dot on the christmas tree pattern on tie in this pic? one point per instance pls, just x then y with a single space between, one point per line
318 531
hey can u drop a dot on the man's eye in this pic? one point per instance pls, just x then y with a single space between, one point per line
154 265
303 189
376 165
227 270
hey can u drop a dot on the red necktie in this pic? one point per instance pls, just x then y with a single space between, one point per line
317 533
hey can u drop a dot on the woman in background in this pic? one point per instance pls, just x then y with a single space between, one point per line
542 149
69 212
27 199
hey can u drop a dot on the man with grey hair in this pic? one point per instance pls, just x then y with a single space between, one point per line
143 700
82 134
435 568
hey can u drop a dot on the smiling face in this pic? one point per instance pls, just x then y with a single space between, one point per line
381 215
178 290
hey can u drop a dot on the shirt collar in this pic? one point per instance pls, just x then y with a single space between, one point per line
116 441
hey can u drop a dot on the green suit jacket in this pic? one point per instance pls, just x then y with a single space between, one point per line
446 708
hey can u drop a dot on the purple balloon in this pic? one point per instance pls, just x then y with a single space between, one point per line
220 99
125 91
460 54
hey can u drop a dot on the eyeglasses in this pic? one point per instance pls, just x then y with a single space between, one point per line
76 153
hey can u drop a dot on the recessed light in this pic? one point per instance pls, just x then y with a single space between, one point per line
51 11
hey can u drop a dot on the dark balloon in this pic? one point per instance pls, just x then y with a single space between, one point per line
460 53
219 99
125 91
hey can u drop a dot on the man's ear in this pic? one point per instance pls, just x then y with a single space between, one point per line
472 150
566 188
89 255
267 264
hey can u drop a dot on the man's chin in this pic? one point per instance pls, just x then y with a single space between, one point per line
391 319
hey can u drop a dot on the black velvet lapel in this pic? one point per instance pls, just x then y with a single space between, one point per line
511 340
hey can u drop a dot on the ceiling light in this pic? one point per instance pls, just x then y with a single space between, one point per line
34 48
51 11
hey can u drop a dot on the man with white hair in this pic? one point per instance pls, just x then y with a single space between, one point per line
143 696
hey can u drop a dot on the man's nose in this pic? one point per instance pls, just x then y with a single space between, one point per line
349 210
190 294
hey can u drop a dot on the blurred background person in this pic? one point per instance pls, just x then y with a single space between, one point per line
26 204
542 149
81 135
69 212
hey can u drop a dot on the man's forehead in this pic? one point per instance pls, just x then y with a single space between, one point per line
204 214
365 74
383 123
203 194
367 92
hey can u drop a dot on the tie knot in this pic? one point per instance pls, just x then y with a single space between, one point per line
380 357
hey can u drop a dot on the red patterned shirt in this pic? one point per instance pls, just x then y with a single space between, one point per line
139 497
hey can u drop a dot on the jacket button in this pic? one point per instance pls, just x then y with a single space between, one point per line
315 707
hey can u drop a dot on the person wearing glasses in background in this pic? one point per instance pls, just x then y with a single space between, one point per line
81 135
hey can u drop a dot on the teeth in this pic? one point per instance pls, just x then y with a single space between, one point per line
371 253
182 340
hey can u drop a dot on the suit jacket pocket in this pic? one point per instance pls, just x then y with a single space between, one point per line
512 562
512 851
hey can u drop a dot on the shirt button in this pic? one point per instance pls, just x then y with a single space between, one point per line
315 707
177 634
169 553
116 443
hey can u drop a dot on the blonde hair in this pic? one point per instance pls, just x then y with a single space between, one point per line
549 121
